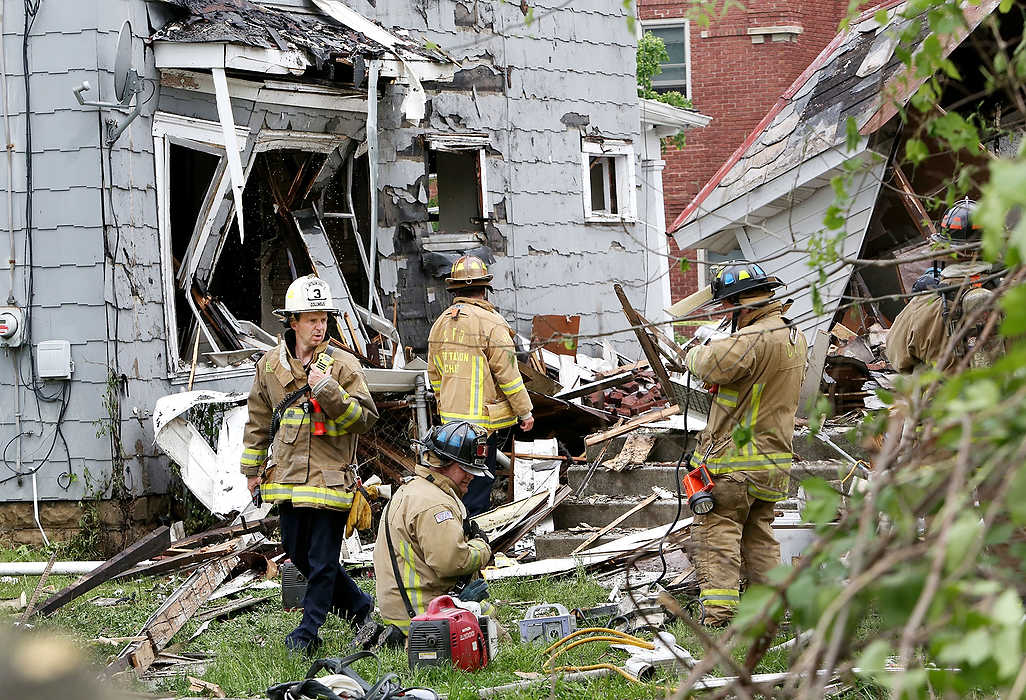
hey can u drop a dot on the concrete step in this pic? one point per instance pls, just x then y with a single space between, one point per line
631 482
599 512
559 543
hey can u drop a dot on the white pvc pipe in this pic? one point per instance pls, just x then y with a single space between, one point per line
9 147
35 510
60 568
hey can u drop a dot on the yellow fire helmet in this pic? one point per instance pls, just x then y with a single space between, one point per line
468 271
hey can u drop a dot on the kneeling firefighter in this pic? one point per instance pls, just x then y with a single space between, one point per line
426 544
755 374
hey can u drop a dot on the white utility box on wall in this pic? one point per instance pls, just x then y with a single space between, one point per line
53 359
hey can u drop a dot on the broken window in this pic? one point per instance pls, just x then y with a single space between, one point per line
457 192
608 179
300 216
675 73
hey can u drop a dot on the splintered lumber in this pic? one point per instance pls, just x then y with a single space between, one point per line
632 424
232 607
634 451
507 540
178 609
150 545
587 543
229 531
180 561
689 303
601 384
644 331
814 374
39 589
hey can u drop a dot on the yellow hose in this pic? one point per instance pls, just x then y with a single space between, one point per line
627 638
611 640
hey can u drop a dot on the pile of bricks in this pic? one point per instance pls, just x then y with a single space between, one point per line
637 396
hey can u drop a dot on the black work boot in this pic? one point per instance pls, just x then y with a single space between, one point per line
367 632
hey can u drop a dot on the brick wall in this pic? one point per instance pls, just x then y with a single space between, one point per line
735 81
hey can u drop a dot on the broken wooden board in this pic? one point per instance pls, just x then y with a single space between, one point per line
180 561
506 516
588 542
603 554
813 373
173 613
600 385
232 607
691 303
507 540
634 451
632 424
149 546
266 526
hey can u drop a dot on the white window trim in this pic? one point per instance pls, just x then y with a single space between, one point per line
201 135
626 183
686 25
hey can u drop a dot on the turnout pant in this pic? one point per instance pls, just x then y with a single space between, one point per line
735 538
312 538
478 498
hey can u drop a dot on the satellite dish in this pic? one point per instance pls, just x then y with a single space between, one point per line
123 73
127 85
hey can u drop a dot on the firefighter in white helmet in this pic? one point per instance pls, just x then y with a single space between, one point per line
305 412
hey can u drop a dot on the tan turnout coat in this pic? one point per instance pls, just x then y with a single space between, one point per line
426 520
473 368
759 371
306 469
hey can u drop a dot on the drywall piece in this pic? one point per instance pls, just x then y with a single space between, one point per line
531 476
212 476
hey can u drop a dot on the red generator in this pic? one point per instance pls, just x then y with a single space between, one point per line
447 633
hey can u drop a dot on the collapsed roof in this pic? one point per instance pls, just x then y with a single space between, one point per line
771 195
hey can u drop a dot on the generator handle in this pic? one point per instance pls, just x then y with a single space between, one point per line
442 602
533 610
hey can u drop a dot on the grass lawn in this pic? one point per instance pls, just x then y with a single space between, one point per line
248 655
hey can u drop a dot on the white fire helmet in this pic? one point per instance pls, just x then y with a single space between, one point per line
308 293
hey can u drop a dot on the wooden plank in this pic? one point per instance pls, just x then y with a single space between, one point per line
229 608
640 364
635 422
587 543
585 389
689 303
229 531
913 205
813 373
150 545
647 344
178 561
173 613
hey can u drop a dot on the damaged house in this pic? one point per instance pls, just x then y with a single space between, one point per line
170 181
839 119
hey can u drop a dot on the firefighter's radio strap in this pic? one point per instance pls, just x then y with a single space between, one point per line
395 565
279 410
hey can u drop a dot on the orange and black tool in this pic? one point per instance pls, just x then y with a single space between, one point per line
317 417
698 485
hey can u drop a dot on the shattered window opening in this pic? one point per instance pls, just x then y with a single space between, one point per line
456 190
223 310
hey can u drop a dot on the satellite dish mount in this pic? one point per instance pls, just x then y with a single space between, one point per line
127 86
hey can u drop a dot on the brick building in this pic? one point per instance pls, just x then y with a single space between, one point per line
733 70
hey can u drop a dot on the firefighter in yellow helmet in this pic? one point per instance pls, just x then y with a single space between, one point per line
944 300
473 368
755 374
310 476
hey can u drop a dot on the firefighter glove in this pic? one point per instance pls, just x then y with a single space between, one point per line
472 530
360 512
476 591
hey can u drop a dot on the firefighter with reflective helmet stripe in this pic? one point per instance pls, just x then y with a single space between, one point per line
473 367
425 534
922 330
310 476
757 371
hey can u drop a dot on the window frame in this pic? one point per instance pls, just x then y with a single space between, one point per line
685 25
622 153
